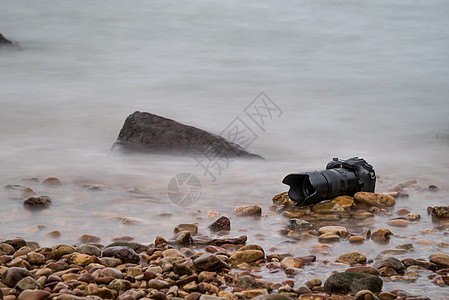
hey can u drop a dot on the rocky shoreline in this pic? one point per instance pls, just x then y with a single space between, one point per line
192 265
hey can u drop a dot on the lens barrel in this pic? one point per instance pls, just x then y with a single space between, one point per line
341 178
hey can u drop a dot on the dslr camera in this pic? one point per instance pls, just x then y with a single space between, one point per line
341 177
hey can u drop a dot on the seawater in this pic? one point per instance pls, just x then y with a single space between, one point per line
351 78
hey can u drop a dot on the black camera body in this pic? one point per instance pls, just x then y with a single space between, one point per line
341 177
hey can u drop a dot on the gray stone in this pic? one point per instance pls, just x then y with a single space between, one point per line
27 283
89 249
391 262
348 282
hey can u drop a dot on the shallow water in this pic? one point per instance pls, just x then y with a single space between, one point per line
349 78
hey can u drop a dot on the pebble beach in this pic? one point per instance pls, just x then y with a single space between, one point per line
361 247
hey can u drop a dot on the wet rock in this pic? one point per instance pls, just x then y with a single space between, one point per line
37 202
192 228
381 234
329 237
87 238
365 295
81 259
344 201
346 282
338 230
33 295
314 283
172 253
391 262
209 262
292 262
89 249
421 263
440 259
375 199
137 247
387 272
158 284
52 181
272 297
146 132
363 269
246 256
6 249
283 199
54 233
246 282
183 238
413 217
397 223
327 208
125 254
356 239
36 258
298 223
119 285
183 267
405 184
20 263
13 275
222 224
440 211
352 258
27 283
249 210
60 250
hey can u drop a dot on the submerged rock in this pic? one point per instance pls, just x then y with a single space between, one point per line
440 211
37 202
146 132
379 200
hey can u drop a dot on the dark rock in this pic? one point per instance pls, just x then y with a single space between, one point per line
37 202
125 254
139 248
209 262
4 42
16 243
223 223
146 132
391 262
14 275
440 211
348 282
414 262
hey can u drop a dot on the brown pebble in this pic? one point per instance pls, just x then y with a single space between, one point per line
52 181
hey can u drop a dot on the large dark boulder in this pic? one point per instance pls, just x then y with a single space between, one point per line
146 132
348 282
5 42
